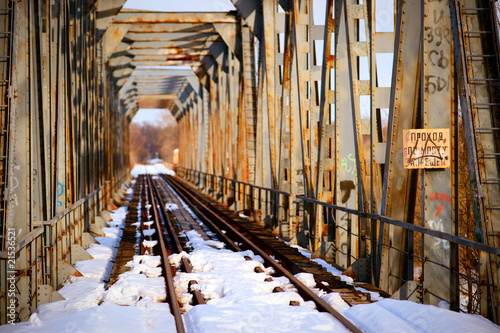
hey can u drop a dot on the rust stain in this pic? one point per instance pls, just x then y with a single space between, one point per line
117 34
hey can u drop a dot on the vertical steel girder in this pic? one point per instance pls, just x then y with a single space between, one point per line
348 119
438 94
402 115
325 166
59 125
6 41
331 128
271 85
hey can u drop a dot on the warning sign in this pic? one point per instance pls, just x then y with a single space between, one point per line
426 148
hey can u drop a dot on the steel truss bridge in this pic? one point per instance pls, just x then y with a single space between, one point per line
366 131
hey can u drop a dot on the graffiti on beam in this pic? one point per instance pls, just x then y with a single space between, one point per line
440 247
349 165
426 148
60 191
14 187
440 196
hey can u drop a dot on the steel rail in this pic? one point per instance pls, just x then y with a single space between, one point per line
221 221
169 280
281 258
284 260
214 228
144 211
173 235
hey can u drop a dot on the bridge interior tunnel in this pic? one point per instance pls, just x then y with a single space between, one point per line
364 131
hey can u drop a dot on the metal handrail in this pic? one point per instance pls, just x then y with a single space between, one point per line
331 246
24 241
430 232
409 226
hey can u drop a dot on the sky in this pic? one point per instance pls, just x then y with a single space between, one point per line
147 116
181 6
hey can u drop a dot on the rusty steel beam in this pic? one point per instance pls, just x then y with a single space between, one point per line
171 36
156 101
112 38
166 63
200 44
252 13
168 52
176 57
231 35
397 188
438 214
106 12
270 77
326 136
169 27
134 16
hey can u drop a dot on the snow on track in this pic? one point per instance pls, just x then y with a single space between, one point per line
152 169
391 315
239 299
88 307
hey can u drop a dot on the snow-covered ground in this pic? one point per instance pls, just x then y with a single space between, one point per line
152 169
133 304
373 295
240 300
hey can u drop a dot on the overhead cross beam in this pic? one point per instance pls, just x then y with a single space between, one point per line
199 40
160 87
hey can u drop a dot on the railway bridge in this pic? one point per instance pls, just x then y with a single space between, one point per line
366 131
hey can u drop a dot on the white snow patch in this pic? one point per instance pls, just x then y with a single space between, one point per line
259 318
238 299
108 317
171 206
131 288
152 169
149 232
391 315
335 301
307 279
82 310
335 271
149 244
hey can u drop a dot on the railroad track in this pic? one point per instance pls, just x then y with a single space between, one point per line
287 256
236 237
147 211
